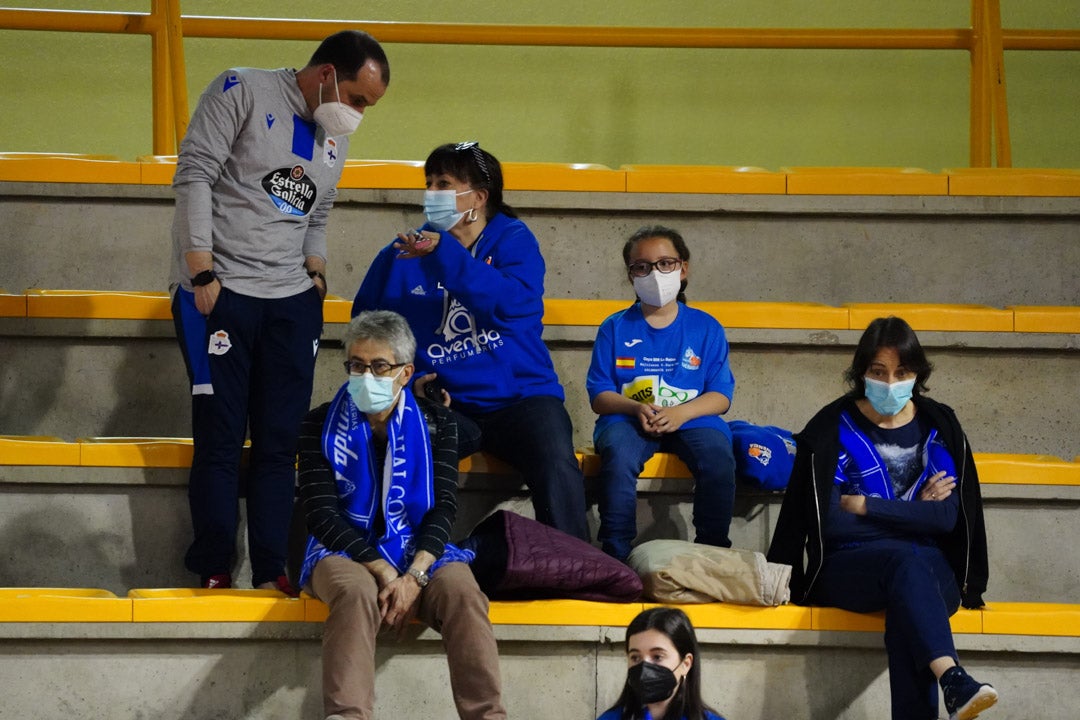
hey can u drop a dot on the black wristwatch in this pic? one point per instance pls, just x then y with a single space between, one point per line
317 274
204 278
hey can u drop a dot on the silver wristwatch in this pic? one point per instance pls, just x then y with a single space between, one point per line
420 576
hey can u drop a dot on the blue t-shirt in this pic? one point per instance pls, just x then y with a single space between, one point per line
666 366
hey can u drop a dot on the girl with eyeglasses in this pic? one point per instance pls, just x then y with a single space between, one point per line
660 380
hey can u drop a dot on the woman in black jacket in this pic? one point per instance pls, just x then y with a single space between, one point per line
884 504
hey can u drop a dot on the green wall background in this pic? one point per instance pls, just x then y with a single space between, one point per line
74 92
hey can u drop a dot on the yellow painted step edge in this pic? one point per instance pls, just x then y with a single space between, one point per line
1045 319
1008 469
87 304
1022 618
199 605
864 181
38 451
960 318
835 619
62 605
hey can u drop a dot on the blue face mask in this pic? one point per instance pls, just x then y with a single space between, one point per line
440 208
373 394
888 399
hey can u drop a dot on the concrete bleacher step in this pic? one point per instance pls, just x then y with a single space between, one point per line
994 468
119 520
148 305
255 654
773 256
178 605
113 487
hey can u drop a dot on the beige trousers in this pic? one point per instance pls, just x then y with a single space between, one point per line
452 604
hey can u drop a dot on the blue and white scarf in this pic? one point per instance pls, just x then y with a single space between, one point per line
861 471
407 486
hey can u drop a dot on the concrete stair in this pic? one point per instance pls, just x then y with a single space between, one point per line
794 272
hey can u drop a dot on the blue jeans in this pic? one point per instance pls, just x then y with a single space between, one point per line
915 586
535 436
624 450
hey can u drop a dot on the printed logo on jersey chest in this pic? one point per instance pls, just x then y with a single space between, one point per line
291 190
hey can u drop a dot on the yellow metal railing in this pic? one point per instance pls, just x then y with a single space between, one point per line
985 41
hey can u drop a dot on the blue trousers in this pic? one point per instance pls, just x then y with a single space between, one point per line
915 586
536 437
251 363
624 449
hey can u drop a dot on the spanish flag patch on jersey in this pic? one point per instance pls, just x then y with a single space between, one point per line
625 362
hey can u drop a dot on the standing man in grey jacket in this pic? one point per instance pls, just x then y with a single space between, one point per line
255 179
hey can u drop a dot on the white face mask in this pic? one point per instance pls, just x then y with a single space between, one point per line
657 288
337 118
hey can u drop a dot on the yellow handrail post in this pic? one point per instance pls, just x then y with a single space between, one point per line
177 67
980 99
163 136
996 84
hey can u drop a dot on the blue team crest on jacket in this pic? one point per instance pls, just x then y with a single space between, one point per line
291 190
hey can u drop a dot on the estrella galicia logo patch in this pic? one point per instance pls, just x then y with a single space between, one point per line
291 190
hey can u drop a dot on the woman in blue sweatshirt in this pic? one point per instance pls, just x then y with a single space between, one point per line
471 284
884 504
659 380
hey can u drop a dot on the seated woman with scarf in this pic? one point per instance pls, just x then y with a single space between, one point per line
378 480
884 504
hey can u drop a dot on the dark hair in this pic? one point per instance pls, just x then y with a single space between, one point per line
651 231
347 51
468 162
687 702
892 332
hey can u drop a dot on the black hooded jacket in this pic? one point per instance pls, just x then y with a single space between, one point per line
806 502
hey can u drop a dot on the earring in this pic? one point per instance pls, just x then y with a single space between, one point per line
470 216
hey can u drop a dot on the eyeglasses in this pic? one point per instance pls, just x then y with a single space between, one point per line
478 155
379 367
641 268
